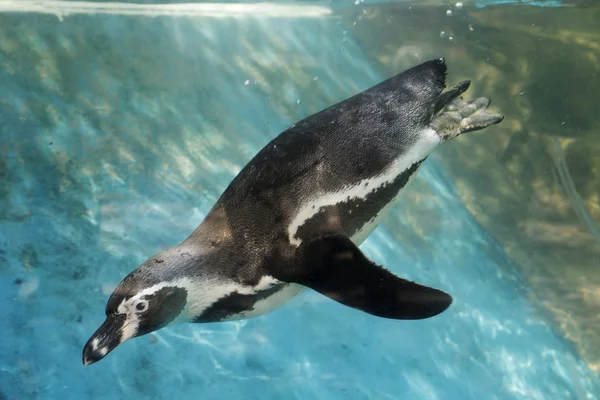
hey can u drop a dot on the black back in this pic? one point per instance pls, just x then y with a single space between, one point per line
343 144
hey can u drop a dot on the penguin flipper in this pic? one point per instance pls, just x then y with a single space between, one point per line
335 267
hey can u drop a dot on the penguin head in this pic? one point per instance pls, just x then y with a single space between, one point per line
146 300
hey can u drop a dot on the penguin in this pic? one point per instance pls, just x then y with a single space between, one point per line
294 216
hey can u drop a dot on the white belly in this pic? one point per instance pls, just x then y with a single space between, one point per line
427 140
359 237
271 303
275 301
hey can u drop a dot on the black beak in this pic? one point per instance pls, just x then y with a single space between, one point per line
104 340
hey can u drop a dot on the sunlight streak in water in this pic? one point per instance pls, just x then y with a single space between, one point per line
571 191
216 10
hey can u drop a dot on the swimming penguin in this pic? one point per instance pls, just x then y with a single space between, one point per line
294 217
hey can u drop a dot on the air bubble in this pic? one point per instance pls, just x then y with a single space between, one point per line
247 82
450 38
459 5
470 28
449 13
442 34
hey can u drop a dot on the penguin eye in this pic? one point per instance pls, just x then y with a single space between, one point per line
141 306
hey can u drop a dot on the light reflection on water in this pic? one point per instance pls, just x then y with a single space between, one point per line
119 133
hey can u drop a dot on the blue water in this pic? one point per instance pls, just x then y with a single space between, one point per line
117 136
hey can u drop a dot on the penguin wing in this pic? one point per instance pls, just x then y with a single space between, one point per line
334 266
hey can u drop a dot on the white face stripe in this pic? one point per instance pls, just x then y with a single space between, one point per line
130 328
183 283
427 140
127 306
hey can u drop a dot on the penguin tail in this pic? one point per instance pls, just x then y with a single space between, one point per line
416 88
454 116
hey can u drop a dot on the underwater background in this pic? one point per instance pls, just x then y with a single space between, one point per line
122 123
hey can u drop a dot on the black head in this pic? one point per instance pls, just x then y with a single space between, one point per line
142 303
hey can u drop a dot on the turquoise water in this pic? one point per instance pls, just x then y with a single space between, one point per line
118 133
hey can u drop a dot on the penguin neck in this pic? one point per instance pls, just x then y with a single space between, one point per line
213 231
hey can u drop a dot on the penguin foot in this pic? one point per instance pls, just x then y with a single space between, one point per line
456 116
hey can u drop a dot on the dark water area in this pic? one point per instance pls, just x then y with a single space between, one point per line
534 184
